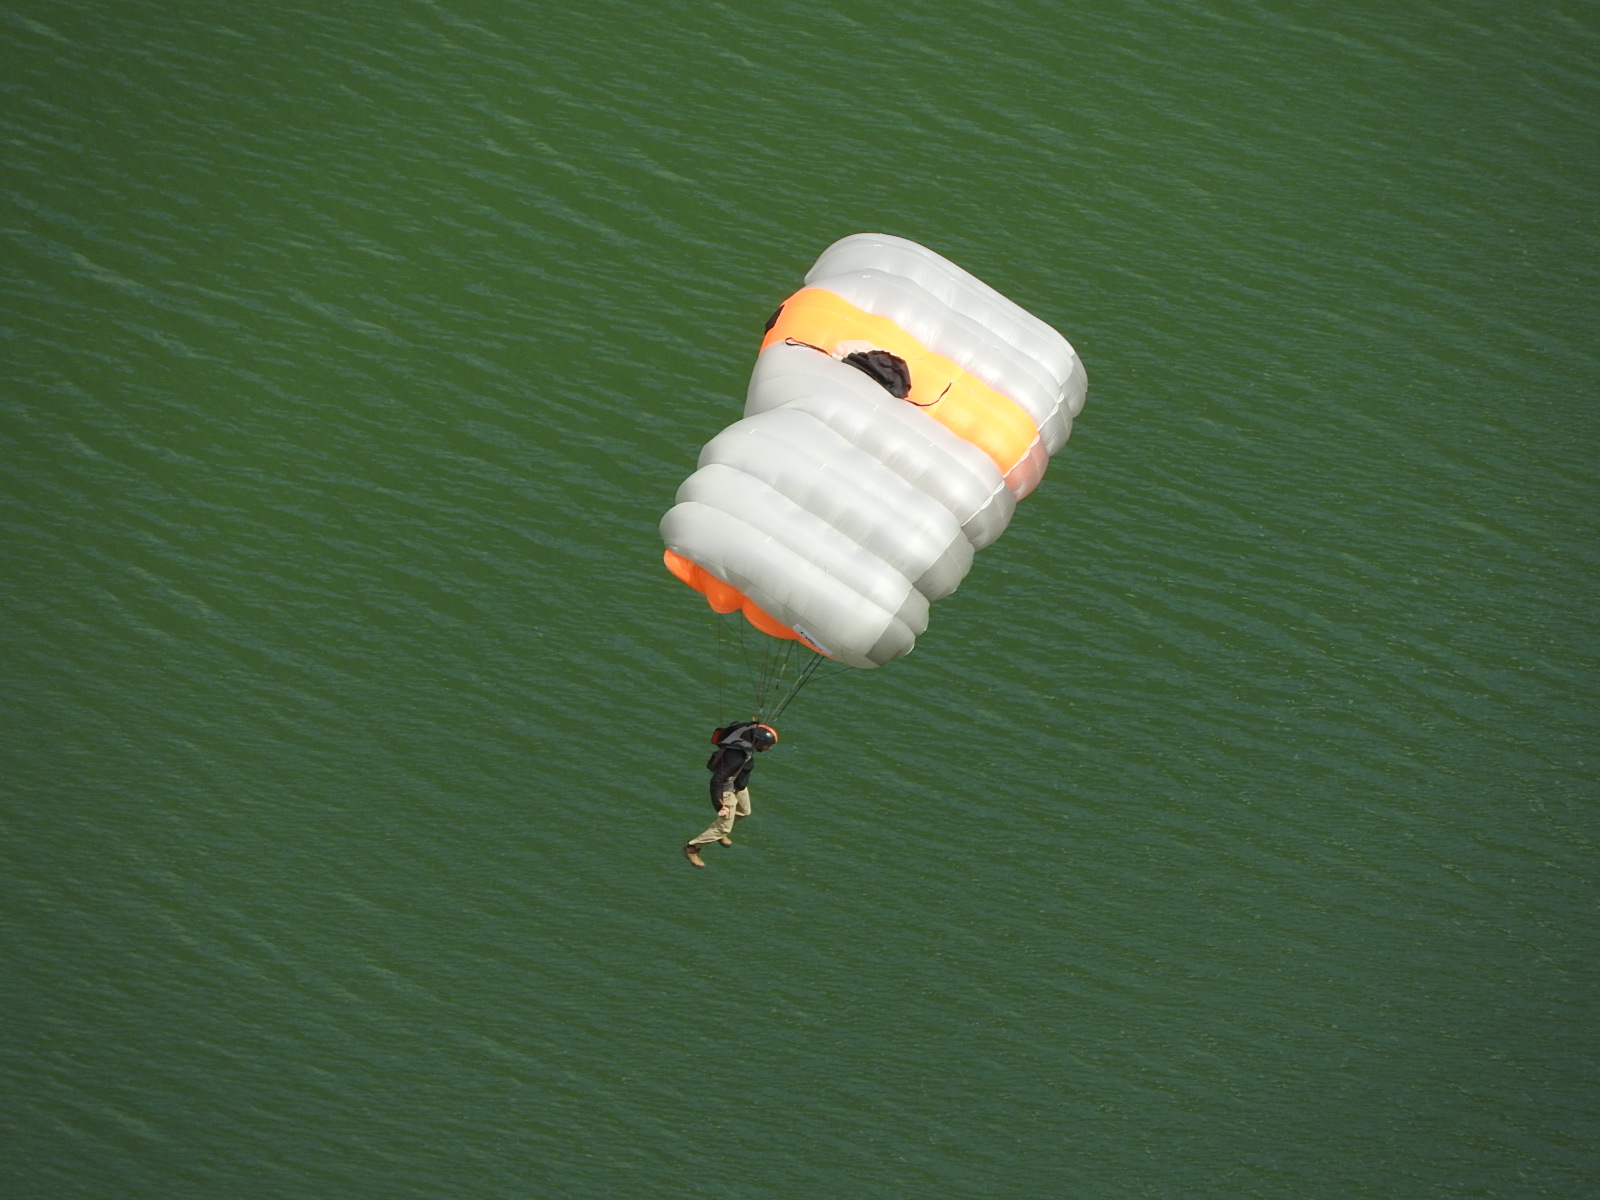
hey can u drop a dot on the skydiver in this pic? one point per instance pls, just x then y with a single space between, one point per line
730 765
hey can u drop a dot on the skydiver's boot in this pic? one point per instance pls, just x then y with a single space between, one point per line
724 840
692 853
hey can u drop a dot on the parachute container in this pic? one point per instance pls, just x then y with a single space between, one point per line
898 410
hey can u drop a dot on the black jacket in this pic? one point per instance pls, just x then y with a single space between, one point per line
730 772
731 762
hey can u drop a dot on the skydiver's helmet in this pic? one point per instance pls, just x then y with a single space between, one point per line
763 737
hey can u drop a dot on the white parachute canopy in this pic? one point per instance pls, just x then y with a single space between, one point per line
898 410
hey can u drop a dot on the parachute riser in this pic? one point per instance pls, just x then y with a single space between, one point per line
770 696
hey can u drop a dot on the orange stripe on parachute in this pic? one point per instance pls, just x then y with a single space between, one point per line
725 598
965 405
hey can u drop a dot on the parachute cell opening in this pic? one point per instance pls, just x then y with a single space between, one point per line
888 371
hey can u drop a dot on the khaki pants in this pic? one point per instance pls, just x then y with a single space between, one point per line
734 806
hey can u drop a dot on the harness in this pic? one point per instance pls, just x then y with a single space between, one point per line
732 737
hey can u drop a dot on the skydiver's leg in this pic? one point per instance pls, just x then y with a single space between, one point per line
726 815
741 809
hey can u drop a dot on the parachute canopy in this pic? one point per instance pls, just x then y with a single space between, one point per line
898 410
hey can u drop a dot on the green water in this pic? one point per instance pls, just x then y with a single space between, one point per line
1230 833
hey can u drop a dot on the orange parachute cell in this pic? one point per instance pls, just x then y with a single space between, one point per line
724 597
966 406
767 623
